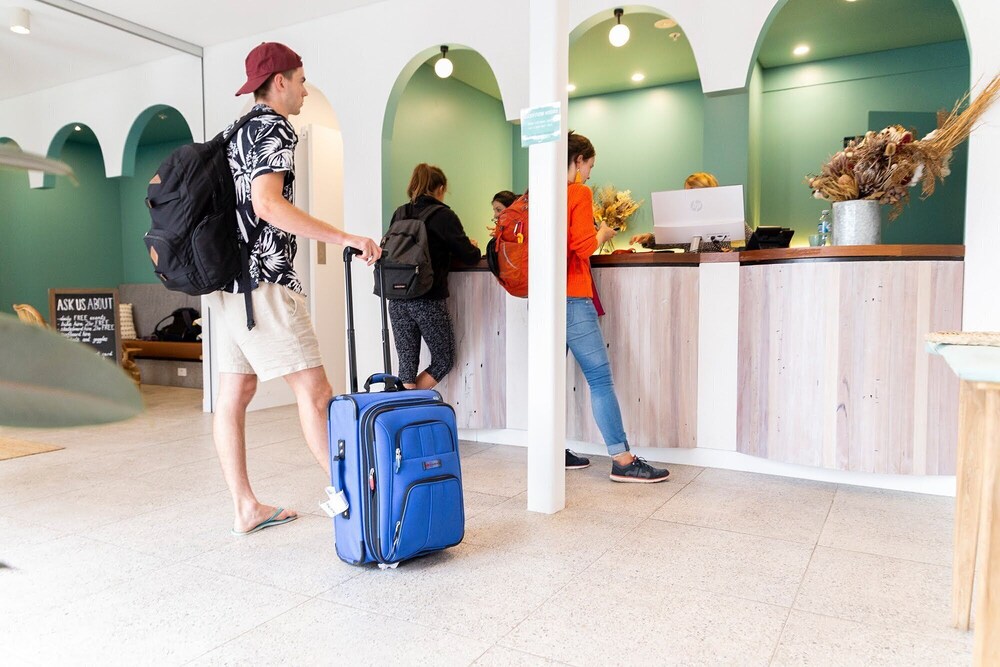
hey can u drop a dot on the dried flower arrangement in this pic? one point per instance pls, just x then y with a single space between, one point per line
884 165
613 208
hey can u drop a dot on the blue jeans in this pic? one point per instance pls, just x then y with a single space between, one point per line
585 340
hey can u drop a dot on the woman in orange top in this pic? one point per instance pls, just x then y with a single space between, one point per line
583 336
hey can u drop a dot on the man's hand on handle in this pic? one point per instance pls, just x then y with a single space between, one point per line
370 251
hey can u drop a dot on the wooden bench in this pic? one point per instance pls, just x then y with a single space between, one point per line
159 349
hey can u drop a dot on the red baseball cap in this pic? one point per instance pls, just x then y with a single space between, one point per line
265 60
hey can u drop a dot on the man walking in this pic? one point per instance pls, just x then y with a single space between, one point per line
283 342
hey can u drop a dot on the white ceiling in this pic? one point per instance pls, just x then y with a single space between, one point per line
210 22
65 47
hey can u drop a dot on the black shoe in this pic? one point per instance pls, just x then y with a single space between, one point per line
638 471
574 462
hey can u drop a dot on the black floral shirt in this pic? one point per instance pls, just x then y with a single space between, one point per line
265 145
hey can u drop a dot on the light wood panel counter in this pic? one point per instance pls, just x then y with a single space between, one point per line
824 364
832 366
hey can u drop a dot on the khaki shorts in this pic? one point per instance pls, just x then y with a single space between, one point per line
283 340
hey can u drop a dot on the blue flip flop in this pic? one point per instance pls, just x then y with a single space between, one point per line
268 522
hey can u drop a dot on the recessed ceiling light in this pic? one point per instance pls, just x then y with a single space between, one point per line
570 87
161 116
638 76
850 0
800 50
77 128
20 21
664 24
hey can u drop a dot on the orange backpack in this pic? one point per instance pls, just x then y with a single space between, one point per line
507 251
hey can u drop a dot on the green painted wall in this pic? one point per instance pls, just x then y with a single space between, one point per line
136 267
463 131
520 166
62 237
808 109
646 140
727 138
754 103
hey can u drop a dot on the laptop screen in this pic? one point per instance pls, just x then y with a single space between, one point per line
714 214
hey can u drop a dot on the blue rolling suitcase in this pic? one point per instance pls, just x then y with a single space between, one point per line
394 458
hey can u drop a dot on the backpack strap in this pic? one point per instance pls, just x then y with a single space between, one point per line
255 113
157 326
245 284
245 247
428 212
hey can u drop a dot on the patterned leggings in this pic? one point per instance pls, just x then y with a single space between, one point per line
414 319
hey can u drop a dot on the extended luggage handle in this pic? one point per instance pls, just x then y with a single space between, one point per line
352 357
392 383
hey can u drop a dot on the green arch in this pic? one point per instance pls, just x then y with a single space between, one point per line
135 134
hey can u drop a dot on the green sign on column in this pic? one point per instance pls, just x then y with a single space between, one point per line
540 125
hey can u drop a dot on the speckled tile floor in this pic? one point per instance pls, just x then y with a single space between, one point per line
117 551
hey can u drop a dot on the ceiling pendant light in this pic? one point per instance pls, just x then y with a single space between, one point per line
619 33
443 67
20 21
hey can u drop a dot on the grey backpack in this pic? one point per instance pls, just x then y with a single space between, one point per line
406 270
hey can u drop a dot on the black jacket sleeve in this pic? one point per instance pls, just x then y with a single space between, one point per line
449 229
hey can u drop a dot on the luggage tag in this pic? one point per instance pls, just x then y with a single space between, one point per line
336 504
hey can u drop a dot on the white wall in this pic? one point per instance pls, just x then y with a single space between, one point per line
108 105
982 220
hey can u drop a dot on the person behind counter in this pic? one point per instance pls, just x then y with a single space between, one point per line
426 317
699 179
502 200
583 336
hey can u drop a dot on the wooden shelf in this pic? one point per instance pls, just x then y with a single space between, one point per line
158 349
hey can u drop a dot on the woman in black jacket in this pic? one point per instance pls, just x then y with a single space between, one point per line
426 317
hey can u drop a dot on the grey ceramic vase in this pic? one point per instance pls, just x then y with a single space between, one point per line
857 222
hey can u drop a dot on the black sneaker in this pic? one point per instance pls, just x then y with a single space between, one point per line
638 471
574 462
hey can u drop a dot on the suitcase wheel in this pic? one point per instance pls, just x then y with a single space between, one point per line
387 566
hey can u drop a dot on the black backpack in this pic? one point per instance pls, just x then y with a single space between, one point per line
194 240
180 327
406 270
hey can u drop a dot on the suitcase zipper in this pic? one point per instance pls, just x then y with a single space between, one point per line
406 499
399 439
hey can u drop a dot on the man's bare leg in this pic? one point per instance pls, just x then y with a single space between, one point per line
229 432
313 394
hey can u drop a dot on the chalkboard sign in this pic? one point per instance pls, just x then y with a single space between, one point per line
88 316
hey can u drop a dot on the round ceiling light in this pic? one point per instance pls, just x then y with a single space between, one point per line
638 76
443 67
665 24
800 50
619 33
570 87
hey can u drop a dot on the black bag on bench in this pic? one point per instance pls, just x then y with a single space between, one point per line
180 328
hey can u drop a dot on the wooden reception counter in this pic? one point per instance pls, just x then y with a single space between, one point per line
809 356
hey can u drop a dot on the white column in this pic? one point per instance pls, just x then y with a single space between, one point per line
548 39
718 352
